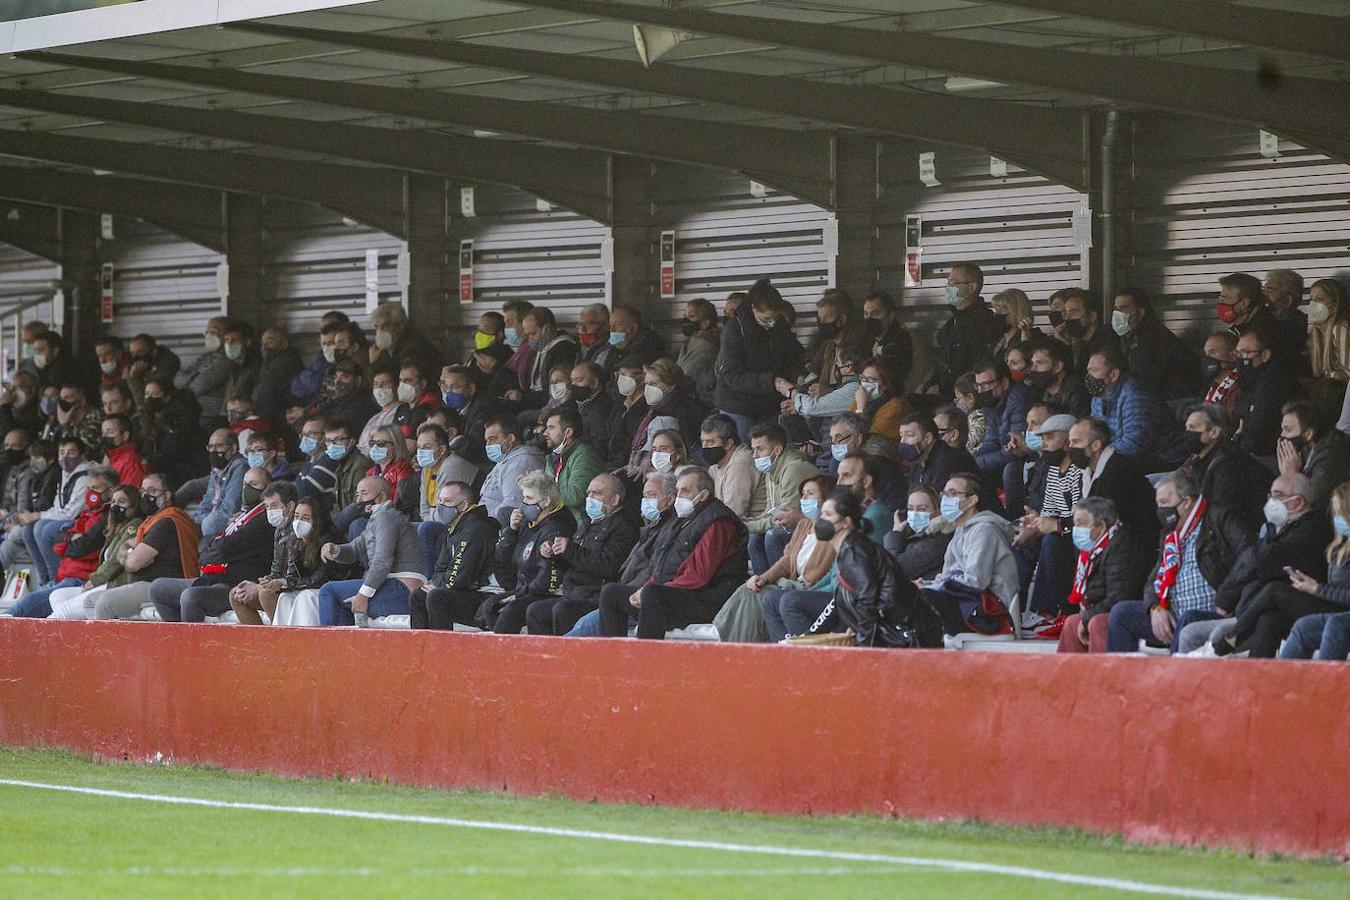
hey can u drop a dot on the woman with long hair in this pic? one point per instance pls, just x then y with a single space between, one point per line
881 399
291 596
1013 308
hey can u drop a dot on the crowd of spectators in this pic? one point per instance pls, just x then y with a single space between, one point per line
1097 483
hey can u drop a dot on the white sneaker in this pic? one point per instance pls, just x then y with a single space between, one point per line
1031 620
1204 651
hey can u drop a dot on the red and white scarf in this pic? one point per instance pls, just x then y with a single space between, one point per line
1087 561
1219 392
241 520
1170 564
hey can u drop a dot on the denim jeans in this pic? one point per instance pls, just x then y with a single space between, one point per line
37 604
430 534
39 538
589 625
1130 624
1327 634
390 600
759 556
792 612
775 542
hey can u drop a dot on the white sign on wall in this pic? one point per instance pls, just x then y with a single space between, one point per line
928 169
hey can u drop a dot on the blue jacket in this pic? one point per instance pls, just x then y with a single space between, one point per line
1005 420
1142 426
212 513
305 386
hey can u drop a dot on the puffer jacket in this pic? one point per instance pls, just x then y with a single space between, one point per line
79 547
881 606
750 358
920 555
1141 424
110 570
1118 574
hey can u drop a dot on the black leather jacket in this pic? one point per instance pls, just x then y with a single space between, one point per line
881 606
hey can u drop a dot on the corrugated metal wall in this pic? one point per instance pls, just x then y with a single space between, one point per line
23 279
1205 203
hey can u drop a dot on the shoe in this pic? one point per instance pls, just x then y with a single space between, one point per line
1031 620
1051 630
1204 651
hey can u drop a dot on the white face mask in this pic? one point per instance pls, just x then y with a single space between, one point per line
1318 313
407 393
276 517
1276 513
684 507
626 385
40 360
384 339
107 368
383 396
661 461
329 353
652 394
558 391
302 528
212 342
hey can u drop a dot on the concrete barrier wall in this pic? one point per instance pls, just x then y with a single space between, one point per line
1232 753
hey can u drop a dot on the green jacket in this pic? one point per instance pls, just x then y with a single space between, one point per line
349 474
782 486
581 463
110 571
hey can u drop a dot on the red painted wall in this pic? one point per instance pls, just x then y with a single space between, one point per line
1147 747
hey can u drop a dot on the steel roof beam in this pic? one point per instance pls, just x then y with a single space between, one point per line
37 230
1044 140
576 179
370 195
798 163
190 212
1272 29
1289 105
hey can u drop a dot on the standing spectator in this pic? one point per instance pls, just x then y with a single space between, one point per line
971 332
731 464
1143 426
572 463
149 361
279 366
224 486
1219 370
759 360
120 451
1083 330
1227 476
698 356
890 341
1283 289
1265 384
51 364
1053 380
1111 568
1016 320
387 553
467 539
978 581
171 436
1005 404
165 546
593 335
1242 307
634 341
206 377
1156 356
510 459
1329 345
524 560
552 348
396 341
1307 446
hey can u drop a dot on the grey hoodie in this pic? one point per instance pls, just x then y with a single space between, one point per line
980 556
500 491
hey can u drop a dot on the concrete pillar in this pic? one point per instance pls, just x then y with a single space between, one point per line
634 279
244 254
856 196
429 309
79 250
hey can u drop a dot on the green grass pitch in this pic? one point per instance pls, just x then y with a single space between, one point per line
66 844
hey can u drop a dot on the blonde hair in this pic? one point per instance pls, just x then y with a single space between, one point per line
398 449
1018 303
1339 550
666 370
542 484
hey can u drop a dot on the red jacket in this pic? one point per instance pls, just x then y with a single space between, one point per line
393 474
130 465
82 546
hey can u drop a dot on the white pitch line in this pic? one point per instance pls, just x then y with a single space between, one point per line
950 865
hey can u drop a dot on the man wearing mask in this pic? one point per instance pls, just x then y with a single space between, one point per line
1265 384
149 361
120 451
890 340
396 341
627 414
1141 422
1053 380
76 417
552 348
929 460
1044 549
51 364
1114 476
165 546
732 467
510 459
351 400
279 367
522 359
28 336
696 565
1156 356
465 545
858 473
437 463
17 471
1219 370
206 377
112 360
1283 290
224 486
977 584
1082 328
19 407
1242 307
315 475
633 341
593 558
347 463
971 332
595 404
1227 476
1005 403
1308 447
387 552
593 335
461 392
308 386
783 469
572 462
237 345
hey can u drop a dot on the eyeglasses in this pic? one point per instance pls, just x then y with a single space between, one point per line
1281 496
956 495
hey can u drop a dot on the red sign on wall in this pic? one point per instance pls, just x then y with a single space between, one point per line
105 284
466 271
667 265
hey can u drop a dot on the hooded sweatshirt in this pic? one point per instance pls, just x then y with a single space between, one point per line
980 556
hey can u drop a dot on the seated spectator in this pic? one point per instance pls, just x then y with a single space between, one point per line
237 345
1219 370
1306 446
1283 290
1111 567
880 399
1143 426
871 597
243 419
783 470
206 377
731 464
1326 634
124 517
51 363
629 412
1276 581
1114 476
438 463
848 434
250 596
278 366
510 460
953 430
388 554
351 400
834 328
263 452
520 361
669 453
314 470
1265 384
491 334
414 385
309 387
918 541
77 547
520 560
474 405
809 407
789 596
116 401
1018 360
978 582
241 553
552 348
396 340
1200 545
348 465
224 486
290 594
1045 548
165 546
759 360
37 532
1228 477
634 341
171 438
1025 450
389 460
19 402
698 562
559 395
120 451
112 360
591 559
572 463
889 338
384 391
670 401
1083 330
595 404
698 357
464 546
1005 407
1155 356
966 397
593 334
1243 308
17 481
1328 346
149 361
858 473
76 417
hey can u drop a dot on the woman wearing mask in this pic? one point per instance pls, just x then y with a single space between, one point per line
124 517
298 568
559 394
669 407
1013 309
389 458
759 361
19 404
534 576
790 594
384 391
966 397
628 414
880 399
669 454
919 540
698 357
1018 360
873 599
1328 345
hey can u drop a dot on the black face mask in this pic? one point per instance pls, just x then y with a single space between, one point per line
1056 318
110 443
218 460
1039 379
1247 368
1074 328
824 530
985 399
116 514
1192 442
582 394
1095 386
689 329
14 457
871 328
1212 368
829 330
1168 517
909 452
154 404
1080 457
1298 442
66 405
251 496
714 455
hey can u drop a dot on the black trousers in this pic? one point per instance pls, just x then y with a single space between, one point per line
441 608
1270 616
662 609
557 615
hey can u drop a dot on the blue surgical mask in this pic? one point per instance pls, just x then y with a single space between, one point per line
810 507
1082 537
425 458
1034 442
951 508
953 295
1342 526
379 454
650 511
234 352
308 445
838 451
918 520
616 338
454 399
763 463
336 452
512 337
256 459
494 453
594 508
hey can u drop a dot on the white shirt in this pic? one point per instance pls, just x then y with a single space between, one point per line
808 547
